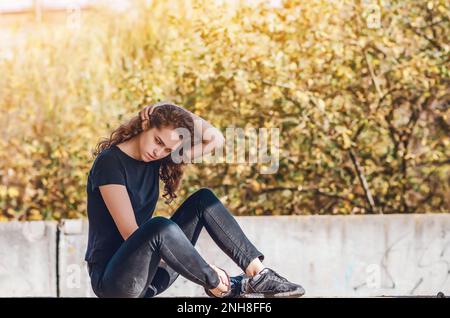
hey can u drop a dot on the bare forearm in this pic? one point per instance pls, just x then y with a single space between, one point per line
211 137
207 137
208 131
201 149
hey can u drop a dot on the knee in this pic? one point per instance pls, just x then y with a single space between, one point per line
165 227
207 201
131 287
205 193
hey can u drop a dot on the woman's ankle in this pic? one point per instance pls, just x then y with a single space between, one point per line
254 267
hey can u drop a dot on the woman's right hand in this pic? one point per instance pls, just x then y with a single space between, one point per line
224 284
222 275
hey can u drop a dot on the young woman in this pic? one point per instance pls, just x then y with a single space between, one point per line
131 254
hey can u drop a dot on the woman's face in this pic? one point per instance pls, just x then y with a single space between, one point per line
155 143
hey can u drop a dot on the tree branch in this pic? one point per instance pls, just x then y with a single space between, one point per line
363 181
432 41
373 76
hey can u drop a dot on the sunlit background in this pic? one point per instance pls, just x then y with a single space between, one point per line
359 90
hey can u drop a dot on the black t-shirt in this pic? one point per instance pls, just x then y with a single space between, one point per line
113 166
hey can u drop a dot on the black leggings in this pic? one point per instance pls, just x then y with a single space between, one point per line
136 270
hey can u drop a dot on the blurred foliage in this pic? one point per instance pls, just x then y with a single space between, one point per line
335 76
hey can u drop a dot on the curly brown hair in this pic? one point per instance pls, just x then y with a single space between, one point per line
166 115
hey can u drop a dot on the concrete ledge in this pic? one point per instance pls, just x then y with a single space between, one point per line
346 256
73 274
331 256
28 259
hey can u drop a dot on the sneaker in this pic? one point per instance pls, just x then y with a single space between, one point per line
270 284
235 290
236 286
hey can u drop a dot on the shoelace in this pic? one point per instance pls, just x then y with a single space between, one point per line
246 283
276 277
279 278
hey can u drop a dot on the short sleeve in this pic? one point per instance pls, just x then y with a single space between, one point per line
107 170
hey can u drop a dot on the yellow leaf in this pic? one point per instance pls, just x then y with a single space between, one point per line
13 192
347 141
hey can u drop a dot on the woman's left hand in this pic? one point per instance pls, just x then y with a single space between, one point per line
145 115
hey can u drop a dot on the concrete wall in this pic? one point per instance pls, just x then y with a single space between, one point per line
28 259
352 256
73 274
